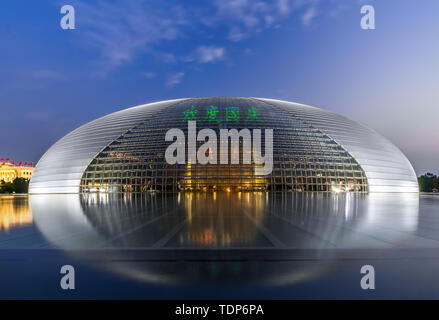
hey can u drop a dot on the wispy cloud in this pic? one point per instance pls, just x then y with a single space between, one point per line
236 34
245 18
122 31
284 6
206 54
210 54
308 16
174 79
149 75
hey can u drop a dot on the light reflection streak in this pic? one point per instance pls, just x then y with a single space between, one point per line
14 211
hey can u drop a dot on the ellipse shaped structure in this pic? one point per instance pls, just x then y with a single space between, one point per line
313 150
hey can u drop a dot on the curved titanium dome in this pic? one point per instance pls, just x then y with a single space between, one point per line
313 150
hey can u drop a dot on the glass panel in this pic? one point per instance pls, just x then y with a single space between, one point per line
302 155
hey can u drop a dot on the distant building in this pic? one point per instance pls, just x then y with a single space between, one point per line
10 171
313 150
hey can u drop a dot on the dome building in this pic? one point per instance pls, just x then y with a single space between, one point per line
312 150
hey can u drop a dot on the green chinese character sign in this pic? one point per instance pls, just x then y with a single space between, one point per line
252 114
190 114
232 114
213 114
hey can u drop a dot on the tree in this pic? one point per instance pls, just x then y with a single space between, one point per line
20 185
436 183
428 182
6 187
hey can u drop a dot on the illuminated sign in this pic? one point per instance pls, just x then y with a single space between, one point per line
228 114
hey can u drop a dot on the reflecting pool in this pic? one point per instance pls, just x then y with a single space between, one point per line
267 245
229 220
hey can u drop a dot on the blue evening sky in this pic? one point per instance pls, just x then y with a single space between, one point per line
124 53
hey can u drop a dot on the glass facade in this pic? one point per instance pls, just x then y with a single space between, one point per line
313 150
304 158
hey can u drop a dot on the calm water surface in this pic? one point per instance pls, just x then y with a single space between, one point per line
220 245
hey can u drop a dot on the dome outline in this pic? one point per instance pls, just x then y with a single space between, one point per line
159 106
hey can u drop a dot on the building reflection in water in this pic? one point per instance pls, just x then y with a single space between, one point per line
190 236
220 220
14 212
